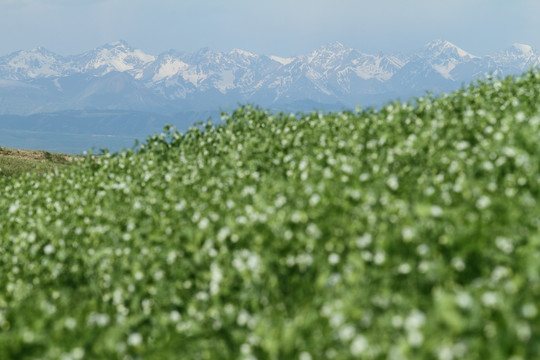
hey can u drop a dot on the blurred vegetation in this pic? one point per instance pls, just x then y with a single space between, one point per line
407 232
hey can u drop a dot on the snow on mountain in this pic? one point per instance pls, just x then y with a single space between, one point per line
117 56
31 64
241 55
282 60
523 49
331 74
517 57
443 57
327 54
381 68
445 49
336 57
166 67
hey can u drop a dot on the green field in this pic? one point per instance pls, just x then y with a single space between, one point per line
406 232
17 162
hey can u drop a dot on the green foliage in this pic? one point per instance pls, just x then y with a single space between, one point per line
411 232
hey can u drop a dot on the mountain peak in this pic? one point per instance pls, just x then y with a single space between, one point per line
331 50
445 48
523 49
240 52
335 46
41 50
439 43
120 44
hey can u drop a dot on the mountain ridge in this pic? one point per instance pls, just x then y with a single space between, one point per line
36 80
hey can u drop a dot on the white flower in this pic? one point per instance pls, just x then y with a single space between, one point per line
489 299
77 353
180 206
523 331
13 207
70 323
407 233
333 259
314 199
48 249
245 349
314 231
175 316
404 268
243 318
347 333
446 353
363 177
139 275
135 339
171 257
458 264
379 258
415 320
158 275
483 202
436 211
504 244
464 300
336 319
422 249
529 311
98 319
423 267
393 182
203 223
216 276
346 168
280 201
499 273
253 261
415 338
359 345
363 241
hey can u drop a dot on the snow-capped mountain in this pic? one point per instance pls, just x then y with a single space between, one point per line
517 58
32 64
117 76
117 56
330 74
444 56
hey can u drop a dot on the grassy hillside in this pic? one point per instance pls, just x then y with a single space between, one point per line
411 232
15 162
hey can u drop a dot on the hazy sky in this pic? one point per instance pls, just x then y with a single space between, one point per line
271 27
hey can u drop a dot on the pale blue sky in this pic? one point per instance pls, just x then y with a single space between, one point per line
271 27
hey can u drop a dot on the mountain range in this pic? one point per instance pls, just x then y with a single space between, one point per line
118 77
